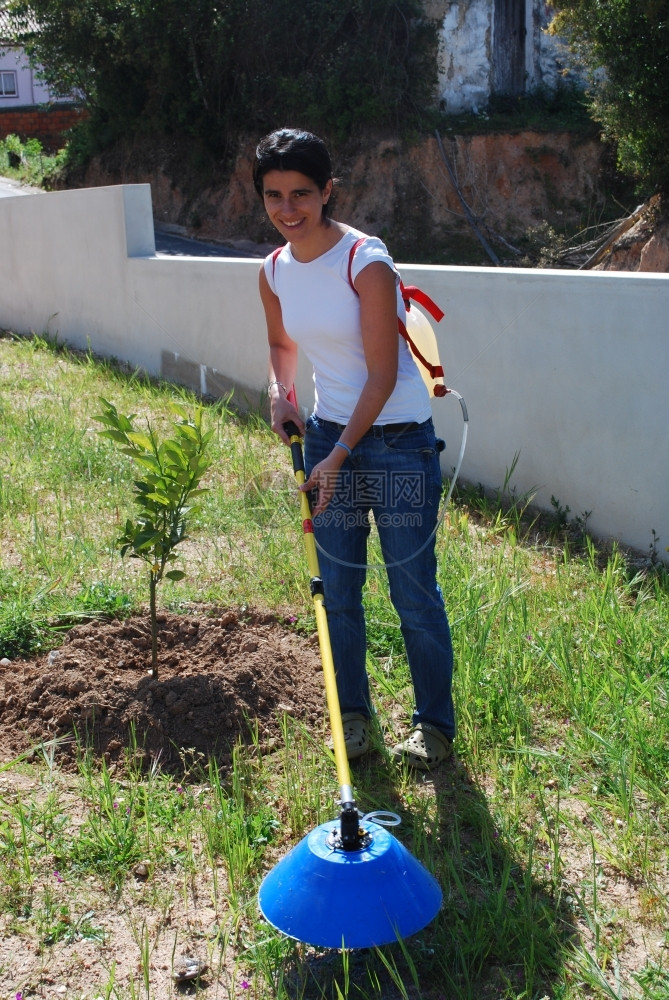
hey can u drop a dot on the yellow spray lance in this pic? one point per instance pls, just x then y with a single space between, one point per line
350 833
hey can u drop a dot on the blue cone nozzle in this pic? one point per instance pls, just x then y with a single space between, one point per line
332 898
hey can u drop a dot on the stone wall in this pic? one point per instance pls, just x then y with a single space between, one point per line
496 46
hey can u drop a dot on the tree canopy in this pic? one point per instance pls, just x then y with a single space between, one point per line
209 67
625 46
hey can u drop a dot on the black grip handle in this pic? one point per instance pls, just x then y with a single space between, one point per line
292 431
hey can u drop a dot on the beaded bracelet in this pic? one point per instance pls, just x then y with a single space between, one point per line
280 385
340 444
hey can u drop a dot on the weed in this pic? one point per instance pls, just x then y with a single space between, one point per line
102 598
21 630
25 161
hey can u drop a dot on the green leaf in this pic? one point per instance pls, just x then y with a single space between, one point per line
174 453
147 461
114 436
158 498
175 574
145 541
112 417
105 418
152 481
141 440
188 431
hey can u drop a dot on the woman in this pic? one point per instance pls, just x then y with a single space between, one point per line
369 444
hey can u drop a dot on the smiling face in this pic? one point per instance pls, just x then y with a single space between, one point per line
294 204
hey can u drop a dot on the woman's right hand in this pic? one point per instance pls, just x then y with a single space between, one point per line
283 363
282 412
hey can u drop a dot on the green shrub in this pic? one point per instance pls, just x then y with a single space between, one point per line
210 70
625 47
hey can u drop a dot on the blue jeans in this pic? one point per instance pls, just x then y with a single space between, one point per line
394 473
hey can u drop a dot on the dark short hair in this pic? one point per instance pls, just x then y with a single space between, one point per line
293 149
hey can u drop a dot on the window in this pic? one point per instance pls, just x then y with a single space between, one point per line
8 84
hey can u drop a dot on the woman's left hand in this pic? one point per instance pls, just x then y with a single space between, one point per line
323 480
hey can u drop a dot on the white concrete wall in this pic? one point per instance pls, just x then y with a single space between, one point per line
568 369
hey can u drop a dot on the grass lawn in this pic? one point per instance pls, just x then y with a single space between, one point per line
548 831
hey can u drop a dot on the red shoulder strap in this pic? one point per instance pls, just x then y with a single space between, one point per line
275 254
351 255
409 292
423 299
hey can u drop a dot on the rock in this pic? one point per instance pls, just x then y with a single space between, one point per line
188 968
644 247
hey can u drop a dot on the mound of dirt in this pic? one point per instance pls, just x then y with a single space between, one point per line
217 677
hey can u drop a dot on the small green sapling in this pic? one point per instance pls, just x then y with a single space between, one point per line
166 495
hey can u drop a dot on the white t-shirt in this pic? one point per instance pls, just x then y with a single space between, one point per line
321 313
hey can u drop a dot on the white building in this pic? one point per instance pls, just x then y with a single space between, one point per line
20 86
495 47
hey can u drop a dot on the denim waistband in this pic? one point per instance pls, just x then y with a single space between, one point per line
376 430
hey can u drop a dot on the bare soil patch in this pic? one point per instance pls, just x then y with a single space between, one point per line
223 677
219 676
